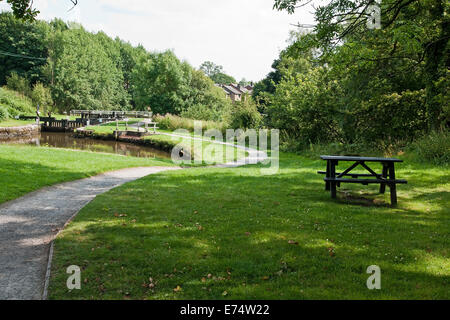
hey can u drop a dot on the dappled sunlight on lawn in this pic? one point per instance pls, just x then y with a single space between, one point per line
257 237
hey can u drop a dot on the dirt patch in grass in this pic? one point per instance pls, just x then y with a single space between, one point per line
361 199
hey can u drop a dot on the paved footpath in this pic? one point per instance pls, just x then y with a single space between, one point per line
29 224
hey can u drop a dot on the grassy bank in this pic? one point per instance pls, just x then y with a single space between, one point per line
24 169
15 123
172 122
164 142
236 234
14 104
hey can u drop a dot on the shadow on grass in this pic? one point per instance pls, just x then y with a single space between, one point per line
235 234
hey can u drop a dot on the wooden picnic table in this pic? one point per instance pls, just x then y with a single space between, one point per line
334 179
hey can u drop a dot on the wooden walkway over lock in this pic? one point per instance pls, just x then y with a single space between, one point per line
52 125
97 114
86 118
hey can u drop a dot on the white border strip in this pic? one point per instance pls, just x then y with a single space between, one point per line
47 274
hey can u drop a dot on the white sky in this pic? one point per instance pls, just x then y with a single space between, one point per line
244 36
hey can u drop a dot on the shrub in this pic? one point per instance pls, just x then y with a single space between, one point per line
201 112
172 122
19 84
41 96
243 115
304 109
3 113
391 117
15 103
434 148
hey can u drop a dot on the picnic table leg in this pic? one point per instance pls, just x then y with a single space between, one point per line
384 175
327 184
392 186
333 175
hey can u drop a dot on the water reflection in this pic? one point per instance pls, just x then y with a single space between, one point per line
67 141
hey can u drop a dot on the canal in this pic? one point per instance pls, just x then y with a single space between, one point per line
67 141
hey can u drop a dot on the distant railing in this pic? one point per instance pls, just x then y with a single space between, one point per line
110 114
51 124
87 117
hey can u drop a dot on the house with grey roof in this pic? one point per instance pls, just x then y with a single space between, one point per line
236 92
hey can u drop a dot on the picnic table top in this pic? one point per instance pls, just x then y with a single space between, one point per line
365 159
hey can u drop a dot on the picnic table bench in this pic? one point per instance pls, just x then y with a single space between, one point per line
334 179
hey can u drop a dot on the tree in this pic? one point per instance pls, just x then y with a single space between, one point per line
84 72
243 114
206 101
169 85
425 23
18 84
22 48
304 106
42 96
128 59
351 95
161 81
215 72
244 82
23 9
222 78
210 68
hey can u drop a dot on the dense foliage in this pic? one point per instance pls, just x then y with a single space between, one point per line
22 48
345 83
168 85
4 114
434 148
23 9
216 73
86 71
83 70
172 122
223 78
243 114
13 104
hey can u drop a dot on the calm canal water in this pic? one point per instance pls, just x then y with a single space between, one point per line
67 141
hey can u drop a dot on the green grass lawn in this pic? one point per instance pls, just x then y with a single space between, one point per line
207 233
15 123
24 168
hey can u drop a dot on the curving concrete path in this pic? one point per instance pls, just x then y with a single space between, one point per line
29 224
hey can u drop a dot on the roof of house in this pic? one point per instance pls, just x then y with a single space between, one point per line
247 89
235 89
232 90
